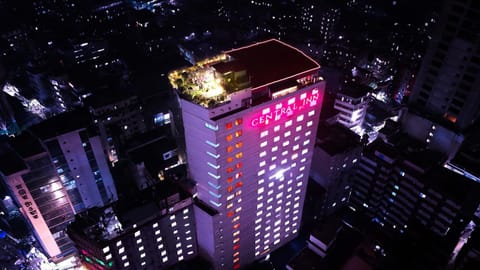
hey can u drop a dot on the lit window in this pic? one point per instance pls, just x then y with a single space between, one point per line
142 255
288 123
276 139
261 172
261 164
229 169
229 149
230 197
159 239
229 159
173 224
137 234
276 128
239 155
309 123
106 249
139 241
284 153
230 214
288 133
261 190
229 137
228 125
263 133
272 167
238 121
238 175
230 205
124 257
141 248
230 179
263 144
296 147
300 118
275 148
238 133
239 184
155 225
164 259
304 151
298 128
294 156
126 264
230 189
163 253
306 142
238 165
157 232
238 193
311 113
239 144
308 133
284 161
286 143
119 243
121 250
262 154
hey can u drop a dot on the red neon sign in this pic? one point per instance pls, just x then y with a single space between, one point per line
286 108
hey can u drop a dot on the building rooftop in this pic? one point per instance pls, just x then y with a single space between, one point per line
307 259
26 145
211 81
107 97
272 60
336 139
62 123
355 90
10 162
109 222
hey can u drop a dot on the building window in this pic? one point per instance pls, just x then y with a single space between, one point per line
263 133
238 165
238 133
229 149
239 144
238 121
229 159
239 155
211 126
228 125
229 137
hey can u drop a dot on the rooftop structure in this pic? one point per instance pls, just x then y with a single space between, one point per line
215 80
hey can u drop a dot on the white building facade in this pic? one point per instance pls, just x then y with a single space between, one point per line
251 156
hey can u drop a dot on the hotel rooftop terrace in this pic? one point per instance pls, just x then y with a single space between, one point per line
211 81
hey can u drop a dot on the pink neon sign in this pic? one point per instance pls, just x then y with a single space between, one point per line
286 108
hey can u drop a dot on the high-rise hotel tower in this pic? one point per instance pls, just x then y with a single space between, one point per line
250 117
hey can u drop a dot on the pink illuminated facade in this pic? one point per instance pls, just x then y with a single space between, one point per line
249 147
